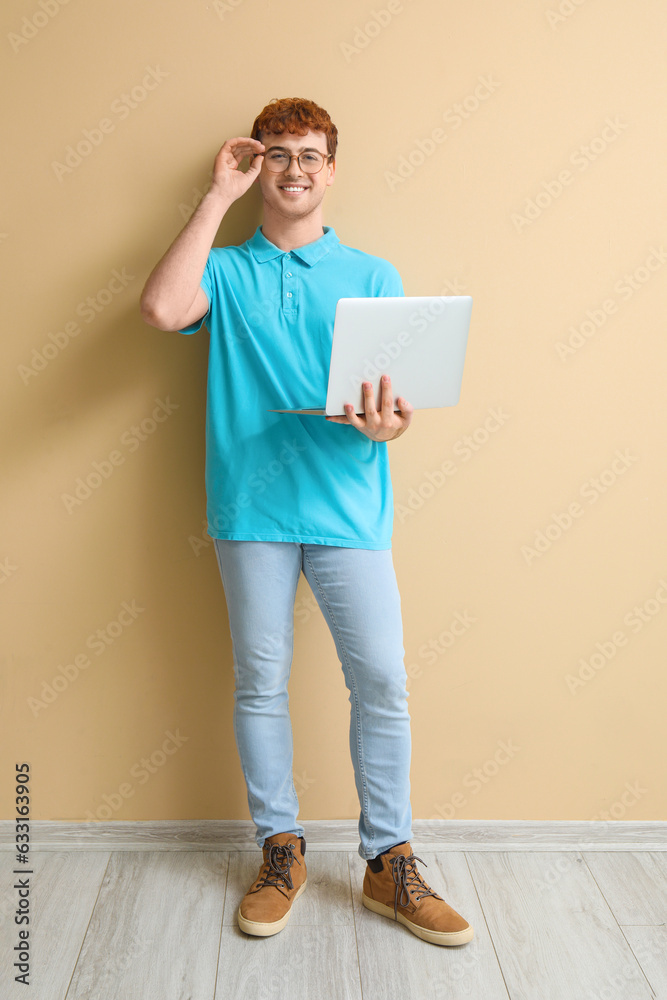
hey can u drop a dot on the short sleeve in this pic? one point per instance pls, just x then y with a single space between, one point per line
206 285
391 283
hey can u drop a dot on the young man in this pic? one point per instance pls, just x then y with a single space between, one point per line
288 493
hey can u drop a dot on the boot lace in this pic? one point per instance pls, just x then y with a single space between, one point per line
278 866
408 879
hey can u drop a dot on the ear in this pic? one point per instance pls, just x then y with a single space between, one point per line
332 173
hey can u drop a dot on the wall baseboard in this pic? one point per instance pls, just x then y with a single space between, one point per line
342 835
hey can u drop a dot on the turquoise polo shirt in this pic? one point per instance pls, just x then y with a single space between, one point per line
286 477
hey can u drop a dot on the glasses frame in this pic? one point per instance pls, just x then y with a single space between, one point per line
293 156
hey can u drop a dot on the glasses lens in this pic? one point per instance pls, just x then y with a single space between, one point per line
276 160
311 162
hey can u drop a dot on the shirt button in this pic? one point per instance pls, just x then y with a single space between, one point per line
288 274
288 256
289 295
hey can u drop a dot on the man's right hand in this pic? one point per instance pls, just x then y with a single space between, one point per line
228 180
172 297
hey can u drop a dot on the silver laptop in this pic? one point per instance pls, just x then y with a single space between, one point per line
419 341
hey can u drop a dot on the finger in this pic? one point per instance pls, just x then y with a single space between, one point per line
253 156
406 409
255 166
352 417
242 147
387 398
369 399
246 143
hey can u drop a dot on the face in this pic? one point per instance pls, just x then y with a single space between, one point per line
295 193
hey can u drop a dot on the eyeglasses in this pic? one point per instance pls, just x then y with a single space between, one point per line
277 160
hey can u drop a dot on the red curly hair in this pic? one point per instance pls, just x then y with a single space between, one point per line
296 115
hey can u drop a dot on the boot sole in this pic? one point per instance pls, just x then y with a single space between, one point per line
267 929
447 938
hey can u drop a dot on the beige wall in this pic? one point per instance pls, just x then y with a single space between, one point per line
577 95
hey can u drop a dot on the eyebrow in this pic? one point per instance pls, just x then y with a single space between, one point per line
304 149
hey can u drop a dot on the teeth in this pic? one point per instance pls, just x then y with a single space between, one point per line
293 189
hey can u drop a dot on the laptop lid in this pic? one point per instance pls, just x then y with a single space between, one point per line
419 341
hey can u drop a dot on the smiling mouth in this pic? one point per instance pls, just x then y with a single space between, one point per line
293 188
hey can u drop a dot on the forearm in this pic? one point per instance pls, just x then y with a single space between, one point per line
173 283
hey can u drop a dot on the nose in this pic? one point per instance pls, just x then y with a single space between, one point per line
288 170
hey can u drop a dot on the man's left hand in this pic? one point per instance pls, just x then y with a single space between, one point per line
385 425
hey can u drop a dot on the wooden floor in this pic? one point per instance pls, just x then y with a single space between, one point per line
160 924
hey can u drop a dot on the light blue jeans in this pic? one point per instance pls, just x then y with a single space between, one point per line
357 592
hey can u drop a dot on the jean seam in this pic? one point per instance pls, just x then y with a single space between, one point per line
234 667
360 743
253 803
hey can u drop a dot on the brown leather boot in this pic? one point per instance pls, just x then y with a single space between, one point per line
394 888
266 907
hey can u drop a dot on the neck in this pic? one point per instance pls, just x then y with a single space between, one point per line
288 234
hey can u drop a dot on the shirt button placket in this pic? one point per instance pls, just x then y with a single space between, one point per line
289 298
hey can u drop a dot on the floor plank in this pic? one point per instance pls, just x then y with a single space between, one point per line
395 962
63 890
649 945
298 963
558 941
155 930
634 884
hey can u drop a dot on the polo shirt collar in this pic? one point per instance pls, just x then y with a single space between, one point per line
262 249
